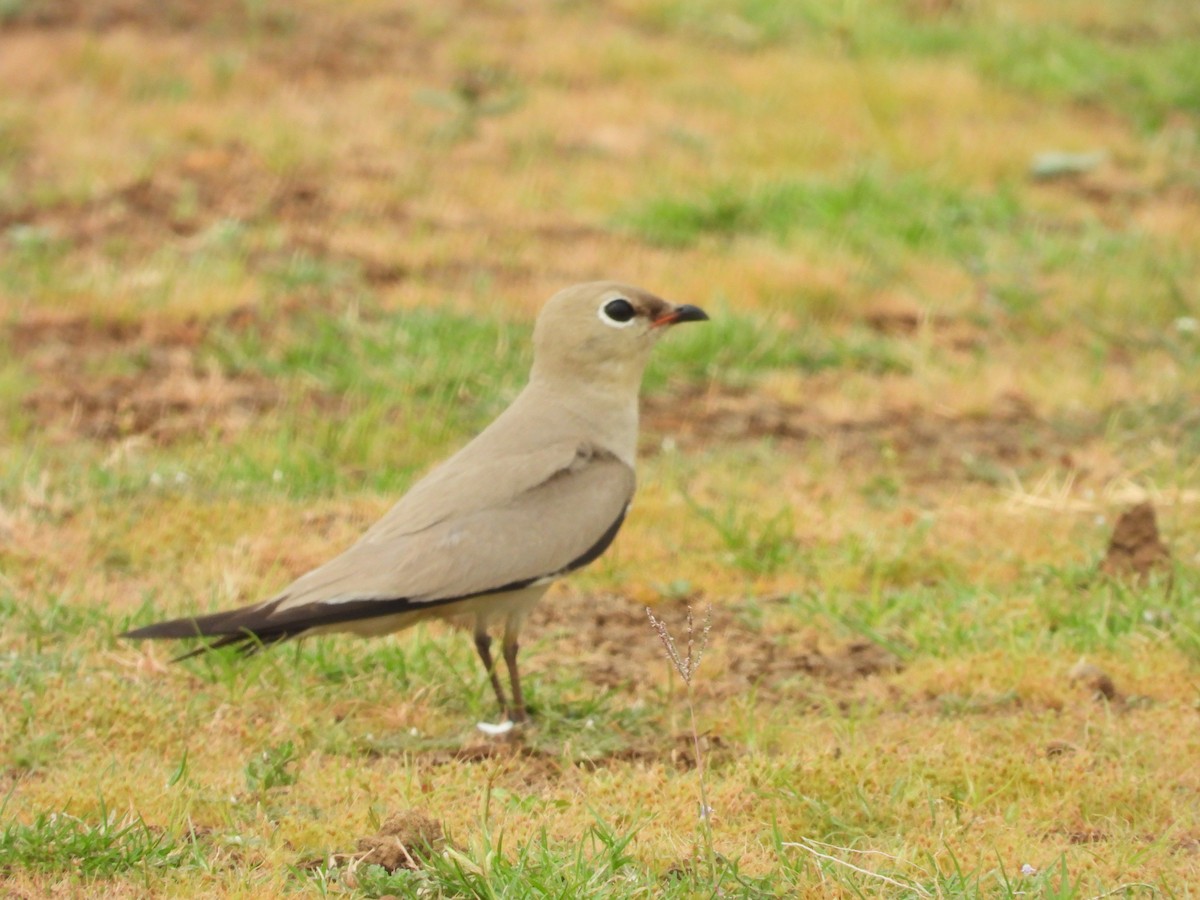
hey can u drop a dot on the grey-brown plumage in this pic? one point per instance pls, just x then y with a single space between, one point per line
539 493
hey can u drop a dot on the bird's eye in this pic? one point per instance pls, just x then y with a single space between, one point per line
618 313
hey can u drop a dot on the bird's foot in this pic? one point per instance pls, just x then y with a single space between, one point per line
498 729
514 720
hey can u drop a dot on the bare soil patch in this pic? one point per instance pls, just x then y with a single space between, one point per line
610 640
217 199
1115 195
185 197
930 445
534 765
115 380
106 14
897 317
300 42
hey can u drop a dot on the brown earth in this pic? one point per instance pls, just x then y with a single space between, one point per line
538 764
99 16
932 445
901 317
1136 548
336 44
182 198
187 198
1093 679
611 642
403 840
115 380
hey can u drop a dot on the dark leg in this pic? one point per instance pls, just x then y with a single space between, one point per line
511 647
483 643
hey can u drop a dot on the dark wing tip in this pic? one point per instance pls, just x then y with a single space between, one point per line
235 623
246 644
248 629
173 628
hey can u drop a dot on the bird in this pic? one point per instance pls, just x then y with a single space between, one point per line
539 493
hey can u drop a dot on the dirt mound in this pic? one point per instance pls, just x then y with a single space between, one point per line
1092 678
1136 547
403 841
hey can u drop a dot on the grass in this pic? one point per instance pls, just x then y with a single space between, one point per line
98 851
919 216
1073 53
260 267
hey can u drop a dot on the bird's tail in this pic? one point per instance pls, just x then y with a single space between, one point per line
249 629
253 627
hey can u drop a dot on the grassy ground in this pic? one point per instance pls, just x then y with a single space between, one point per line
262 263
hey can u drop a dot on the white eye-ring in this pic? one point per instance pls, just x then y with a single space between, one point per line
618 313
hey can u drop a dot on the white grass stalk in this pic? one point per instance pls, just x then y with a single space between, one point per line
806 845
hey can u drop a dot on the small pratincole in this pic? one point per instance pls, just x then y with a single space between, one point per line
539 493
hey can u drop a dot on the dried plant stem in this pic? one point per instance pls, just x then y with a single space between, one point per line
686 665
705 808
803 844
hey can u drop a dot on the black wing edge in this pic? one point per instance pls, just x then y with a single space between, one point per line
252 628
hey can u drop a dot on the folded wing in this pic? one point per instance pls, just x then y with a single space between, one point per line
558 512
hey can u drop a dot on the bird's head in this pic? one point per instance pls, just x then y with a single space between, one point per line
603 330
